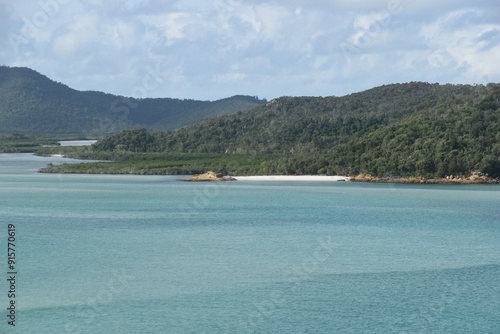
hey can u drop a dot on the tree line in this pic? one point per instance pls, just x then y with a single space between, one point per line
413 129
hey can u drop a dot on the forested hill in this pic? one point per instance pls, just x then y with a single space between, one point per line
413 129
32 103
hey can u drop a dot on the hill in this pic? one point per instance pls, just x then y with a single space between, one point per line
32 103
413 129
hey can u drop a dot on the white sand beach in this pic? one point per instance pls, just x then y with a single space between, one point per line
292 178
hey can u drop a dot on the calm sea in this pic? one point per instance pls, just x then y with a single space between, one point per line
147 254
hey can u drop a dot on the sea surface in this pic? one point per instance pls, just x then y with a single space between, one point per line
148 254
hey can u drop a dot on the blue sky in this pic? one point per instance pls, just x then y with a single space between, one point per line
211 49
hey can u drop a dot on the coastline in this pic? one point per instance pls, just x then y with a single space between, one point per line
368 179
334 178
421 180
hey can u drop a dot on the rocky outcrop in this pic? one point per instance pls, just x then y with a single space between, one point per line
473 179
365 178
208 176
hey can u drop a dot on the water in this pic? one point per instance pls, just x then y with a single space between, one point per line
148 254
77 142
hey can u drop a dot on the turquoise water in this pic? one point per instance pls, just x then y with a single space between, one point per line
148 254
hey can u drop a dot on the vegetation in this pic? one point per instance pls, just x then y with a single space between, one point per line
46 144
403 130
32 103
162 163
20 143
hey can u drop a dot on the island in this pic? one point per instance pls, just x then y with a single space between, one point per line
403 133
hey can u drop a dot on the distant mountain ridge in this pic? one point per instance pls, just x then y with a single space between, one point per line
32 103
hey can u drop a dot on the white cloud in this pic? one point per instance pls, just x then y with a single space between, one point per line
120 35
273 20
455 40
211 49
230 77
172 26
83 31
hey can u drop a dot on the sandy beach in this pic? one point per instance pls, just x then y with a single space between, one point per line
292 178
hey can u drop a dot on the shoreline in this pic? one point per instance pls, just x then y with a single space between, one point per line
332 178
473 179
338 178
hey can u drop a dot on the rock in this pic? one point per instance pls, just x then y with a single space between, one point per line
365 178
208 176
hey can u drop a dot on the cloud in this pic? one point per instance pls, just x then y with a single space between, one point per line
489 39
216 48
81 33
172 27
230 77
458 40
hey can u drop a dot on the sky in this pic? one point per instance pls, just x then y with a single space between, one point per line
212 49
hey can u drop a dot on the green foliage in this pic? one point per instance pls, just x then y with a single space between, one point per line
137 140
32 103
161 163
20 143
415 129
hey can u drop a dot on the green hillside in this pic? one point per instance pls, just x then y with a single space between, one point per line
413 129
33 104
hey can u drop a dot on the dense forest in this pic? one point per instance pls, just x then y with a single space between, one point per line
20 143
399 130
33 104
